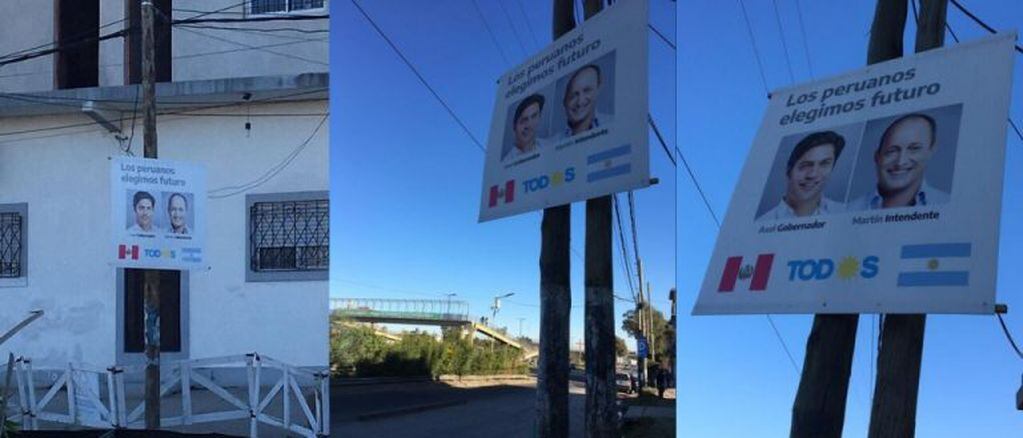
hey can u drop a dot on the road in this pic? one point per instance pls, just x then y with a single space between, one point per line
504 410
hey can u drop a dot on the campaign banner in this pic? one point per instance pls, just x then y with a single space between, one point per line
158 213
877 191
570 123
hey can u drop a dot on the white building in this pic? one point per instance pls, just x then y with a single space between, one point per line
247 99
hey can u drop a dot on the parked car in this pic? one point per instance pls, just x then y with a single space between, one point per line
623 383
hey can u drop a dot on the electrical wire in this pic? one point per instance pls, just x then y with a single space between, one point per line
979 21
515 33
74 38
699 189
177 112
783 346
802 31
486 25
1008 336
663 38
259 30
784 45
194 55
249 46
529 27
626 263
1011 123
421 78
660 139
753 42
270 173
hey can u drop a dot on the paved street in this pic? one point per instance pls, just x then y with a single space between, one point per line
505 410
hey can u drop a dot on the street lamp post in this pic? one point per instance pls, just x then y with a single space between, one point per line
449 295
497 304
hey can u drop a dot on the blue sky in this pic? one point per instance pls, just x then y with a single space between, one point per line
735 379
405 178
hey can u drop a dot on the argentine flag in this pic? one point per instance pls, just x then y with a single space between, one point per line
935 264
609 163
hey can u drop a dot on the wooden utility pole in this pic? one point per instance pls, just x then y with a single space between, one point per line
601 392
650 325
555 295
640 326
819 409
893 413
151 280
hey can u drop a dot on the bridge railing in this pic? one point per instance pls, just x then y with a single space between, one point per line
401 309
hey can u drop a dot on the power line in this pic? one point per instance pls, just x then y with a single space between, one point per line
177 112
802 31
783 346
221 10
713 215
123 32
663 38
1011 123
660 139
273 171
74 38
528 26
253 19
515 32
626 263
699 189
756 52
980 22
194 55
249 46
420 76
260 30
479 12
1009 336
784 45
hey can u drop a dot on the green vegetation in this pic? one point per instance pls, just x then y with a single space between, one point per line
8 425
356 351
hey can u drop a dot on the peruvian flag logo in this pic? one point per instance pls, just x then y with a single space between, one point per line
128 252
507 193
757 274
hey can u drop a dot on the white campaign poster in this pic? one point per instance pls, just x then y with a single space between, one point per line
158 213
879 190
570 123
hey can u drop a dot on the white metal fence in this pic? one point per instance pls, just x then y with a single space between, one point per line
89 405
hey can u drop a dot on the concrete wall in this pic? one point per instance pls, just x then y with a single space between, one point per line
64 178
198 53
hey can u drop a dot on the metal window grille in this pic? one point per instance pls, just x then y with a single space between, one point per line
10 245
289 236
279 6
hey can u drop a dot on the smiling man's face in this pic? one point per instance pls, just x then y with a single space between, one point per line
902 158
810 174
581 99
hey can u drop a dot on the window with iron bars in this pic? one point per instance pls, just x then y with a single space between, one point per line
257 7
289 236
11 265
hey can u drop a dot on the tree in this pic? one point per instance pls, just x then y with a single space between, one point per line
664 333
621 350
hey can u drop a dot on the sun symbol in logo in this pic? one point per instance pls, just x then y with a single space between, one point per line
848 268
932 264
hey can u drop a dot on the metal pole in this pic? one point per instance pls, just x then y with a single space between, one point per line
893 413
151 281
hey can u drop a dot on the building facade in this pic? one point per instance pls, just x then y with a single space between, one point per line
243 91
